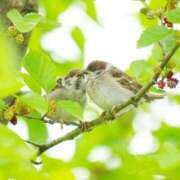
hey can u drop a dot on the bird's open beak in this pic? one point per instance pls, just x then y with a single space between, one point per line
85 72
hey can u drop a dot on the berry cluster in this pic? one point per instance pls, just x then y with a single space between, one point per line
171 82
10 115
18 108
13 32
167 23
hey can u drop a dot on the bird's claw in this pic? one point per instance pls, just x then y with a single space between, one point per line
108 116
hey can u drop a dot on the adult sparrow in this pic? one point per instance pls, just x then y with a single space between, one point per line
108 86
72 87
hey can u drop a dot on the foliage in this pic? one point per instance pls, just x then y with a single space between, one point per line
37 71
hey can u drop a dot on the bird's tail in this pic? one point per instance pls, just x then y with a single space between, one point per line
151 96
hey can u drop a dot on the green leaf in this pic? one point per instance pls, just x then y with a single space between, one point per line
157 52
105 136
146 22
9 140
174 15
91 9
65 67
152 35
37 131
169 42
154 4
168 134
54 8
9 78
168 155
156 55
72 107
57 169
31 83
35 101
140 70
41 68
157 90
2 105
15 157
26 23
48 24
79 38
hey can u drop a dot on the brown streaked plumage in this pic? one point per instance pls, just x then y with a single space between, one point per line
108 86
72 87
73 73
124 79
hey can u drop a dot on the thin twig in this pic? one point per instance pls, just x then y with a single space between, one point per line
53 121
111 115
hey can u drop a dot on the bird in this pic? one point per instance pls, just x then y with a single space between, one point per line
108 86
72 87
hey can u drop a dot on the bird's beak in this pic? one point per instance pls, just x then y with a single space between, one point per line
85 72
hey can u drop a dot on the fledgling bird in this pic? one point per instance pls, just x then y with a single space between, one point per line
71 87
108 86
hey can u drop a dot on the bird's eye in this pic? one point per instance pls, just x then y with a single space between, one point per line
98 72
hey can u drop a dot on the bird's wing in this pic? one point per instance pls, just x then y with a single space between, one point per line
131 84
125 80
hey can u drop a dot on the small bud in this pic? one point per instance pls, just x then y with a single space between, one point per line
19 39
14 120
157 69
169 75
161 84
172 83
12 31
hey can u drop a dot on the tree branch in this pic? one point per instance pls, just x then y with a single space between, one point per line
108 115
53 121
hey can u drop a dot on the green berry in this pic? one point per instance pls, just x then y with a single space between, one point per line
157 69
12 31
19 39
